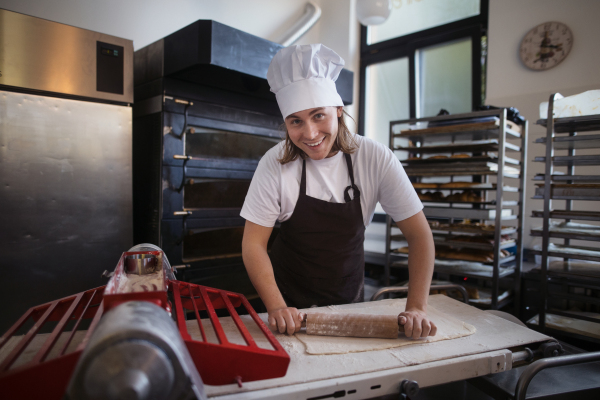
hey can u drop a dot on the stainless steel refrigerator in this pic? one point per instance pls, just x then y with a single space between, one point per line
65 159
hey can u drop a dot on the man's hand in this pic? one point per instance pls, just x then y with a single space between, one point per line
416 324
286 319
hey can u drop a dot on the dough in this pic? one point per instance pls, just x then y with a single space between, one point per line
448 328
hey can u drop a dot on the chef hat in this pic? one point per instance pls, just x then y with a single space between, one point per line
303 77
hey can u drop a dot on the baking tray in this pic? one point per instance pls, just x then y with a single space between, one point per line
561 161
473 229
451 162
572 252
466 213
574 124
466 147
476 187
507 203
580 215
564 178
570 191
462 268
570 231
574 268
472 131
459 168
444 241
504 299
574 142
465 172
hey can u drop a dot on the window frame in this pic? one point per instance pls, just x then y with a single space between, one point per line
406 46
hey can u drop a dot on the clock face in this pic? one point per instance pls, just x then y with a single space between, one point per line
546 45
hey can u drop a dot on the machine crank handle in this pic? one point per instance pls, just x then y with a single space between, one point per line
107 274
408 389
545 350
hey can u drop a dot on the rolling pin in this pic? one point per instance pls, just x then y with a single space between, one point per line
356 325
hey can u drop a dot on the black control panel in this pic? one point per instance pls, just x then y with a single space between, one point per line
109 68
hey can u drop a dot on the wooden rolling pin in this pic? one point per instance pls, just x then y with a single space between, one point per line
355 325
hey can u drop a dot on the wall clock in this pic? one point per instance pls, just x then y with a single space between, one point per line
546 45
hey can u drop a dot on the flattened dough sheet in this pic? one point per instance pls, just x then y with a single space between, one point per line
448 328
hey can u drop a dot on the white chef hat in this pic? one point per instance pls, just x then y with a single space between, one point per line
303 77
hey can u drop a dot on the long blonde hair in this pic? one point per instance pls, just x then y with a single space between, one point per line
344 142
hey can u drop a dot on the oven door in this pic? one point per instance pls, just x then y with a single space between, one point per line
203 192
209 252
203 146
199 240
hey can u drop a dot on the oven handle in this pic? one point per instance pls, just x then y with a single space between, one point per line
185 214
185 160
187 104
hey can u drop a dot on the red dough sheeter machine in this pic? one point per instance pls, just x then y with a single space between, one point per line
139 345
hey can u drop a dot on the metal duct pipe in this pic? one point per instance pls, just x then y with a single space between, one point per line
312 13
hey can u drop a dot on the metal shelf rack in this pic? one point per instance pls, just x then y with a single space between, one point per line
569 187
487 136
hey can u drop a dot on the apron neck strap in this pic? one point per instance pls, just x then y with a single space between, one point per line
350 170
303 179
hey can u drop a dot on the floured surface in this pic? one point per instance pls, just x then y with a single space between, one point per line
492 333
448 328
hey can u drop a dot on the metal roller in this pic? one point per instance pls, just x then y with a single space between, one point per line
136 353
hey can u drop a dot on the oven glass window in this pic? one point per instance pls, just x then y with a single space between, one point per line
206 244
213 143
215 193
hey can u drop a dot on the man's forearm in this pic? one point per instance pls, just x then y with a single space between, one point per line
421 256
260 271
420 270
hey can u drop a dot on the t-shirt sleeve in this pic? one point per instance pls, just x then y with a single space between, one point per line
396 193
263 201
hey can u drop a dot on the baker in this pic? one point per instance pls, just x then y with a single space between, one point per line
322 184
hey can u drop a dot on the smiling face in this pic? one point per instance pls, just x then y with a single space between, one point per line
314 131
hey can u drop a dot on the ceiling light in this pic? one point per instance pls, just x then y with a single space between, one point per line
373 12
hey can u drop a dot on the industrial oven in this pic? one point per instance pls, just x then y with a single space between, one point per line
203 117
65 159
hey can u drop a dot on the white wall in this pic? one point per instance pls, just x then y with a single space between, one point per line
510 83
145 21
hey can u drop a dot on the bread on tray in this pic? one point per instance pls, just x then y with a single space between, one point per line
420 185
467 255
451 185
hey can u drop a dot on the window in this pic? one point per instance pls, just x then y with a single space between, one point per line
410 16
429 55
387 85
444 78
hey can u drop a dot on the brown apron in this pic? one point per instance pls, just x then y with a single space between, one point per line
318 257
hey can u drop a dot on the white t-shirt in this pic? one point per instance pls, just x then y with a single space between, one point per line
275 188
